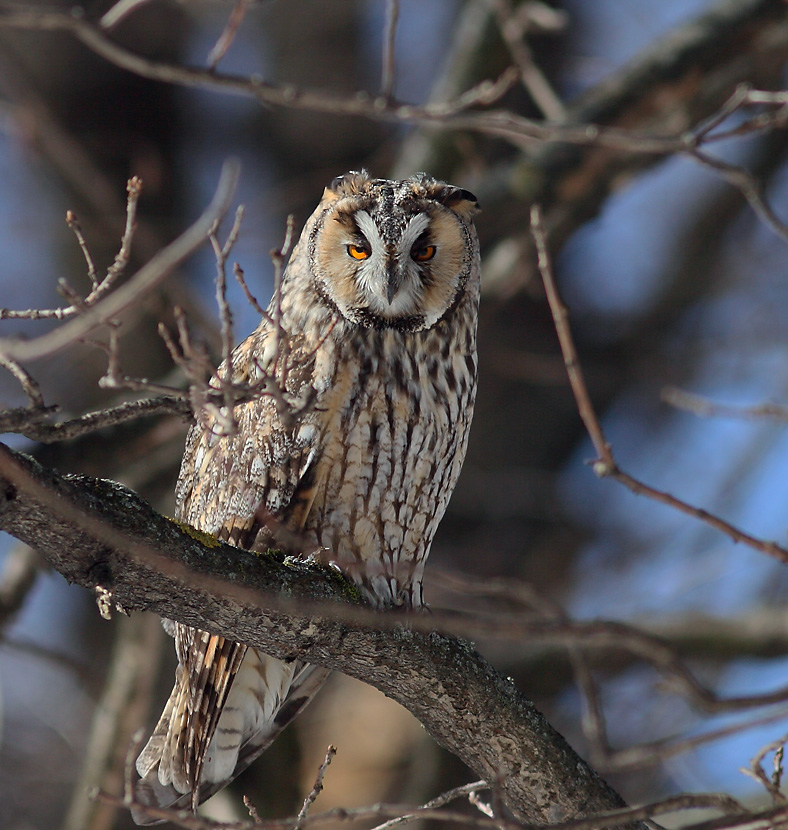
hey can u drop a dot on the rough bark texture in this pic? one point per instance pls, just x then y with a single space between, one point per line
99 534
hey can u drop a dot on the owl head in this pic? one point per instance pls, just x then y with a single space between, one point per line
393 254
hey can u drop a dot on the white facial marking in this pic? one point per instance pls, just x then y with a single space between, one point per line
372 273
370 230
413 230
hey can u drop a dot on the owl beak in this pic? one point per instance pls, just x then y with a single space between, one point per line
393 281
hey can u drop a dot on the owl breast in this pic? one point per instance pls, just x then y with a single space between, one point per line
394 426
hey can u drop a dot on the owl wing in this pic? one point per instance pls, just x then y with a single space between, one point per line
233 487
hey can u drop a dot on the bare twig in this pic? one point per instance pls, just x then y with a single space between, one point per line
605 466
100 287
70 294
191 358
734 815
114 377
37 313
705 408
317 788
770 783
748 186
484 808
73 223
252 810
224 380
513 24
651 753
115 271
451 114
27 381
25 423
344 815
239 275
229 32
119 11
414 814
140 284
775 117
388 69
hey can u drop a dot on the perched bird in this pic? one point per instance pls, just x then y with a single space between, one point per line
366 362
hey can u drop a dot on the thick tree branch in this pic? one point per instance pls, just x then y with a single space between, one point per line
104 537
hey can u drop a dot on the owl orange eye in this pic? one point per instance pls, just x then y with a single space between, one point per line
358 252
423 253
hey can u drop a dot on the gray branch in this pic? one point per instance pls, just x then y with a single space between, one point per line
104 537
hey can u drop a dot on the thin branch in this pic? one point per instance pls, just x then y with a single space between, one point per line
481 806
100 287
73 223
775 117
115 271
101 419
225 380
723 20
650 753
387 72
119 11
705 408
561 320
317 788
229 32
239 275
452 114
748 186
771 783
349 816
513 24
605 466
252 810
466 790
733 815
147 278
28 383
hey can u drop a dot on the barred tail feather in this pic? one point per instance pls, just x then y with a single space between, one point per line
266 694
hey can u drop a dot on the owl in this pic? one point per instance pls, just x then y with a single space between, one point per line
365 366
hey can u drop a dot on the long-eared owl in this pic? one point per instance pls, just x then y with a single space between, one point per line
366 365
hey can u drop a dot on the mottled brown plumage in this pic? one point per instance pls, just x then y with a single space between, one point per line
369 356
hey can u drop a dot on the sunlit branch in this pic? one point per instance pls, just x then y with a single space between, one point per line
147 278
605 465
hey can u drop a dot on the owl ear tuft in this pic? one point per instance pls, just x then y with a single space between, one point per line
348 184
462 202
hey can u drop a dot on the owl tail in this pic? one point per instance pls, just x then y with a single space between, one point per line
264 696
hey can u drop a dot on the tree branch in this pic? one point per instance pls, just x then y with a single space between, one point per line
104 537
142 282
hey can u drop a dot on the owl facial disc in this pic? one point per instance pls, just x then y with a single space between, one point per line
393 254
